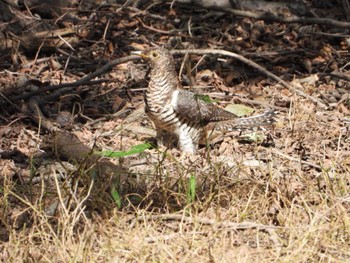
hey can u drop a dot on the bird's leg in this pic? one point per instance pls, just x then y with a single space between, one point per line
165 139
186 143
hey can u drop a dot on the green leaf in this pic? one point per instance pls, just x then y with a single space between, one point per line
116 197
133 150
205 98
239 109
191 191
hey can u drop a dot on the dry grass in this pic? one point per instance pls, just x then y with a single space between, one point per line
286 201
280 210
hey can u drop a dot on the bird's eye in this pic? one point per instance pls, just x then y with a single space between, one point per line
154 54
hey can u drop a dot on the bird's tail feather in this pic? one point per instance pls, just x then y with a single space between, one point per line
265 119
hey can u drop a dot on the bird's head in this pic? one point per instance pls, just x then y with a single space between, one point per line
159 57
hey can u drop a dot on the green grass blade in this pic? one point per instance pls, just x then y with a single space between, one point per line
191 191
116 197
133 150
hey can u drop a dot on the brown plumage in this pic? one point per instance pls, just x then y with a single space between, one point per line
178 115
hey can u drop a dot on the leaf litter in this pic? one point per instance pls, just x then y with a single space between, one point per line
285 198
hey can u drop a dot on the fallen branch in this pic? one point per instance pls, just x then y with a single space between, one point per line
251 64
288 20
83 81
207 221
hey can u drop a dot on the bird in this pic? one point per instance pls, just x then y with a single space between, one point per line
180 117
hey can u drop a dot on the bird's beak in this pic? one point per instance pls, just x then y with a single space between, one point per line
139 53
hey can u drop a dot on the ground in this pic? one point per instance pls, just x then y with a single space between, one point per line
283 197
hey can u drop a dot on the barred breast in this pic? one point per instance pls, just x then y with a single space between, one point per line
161 104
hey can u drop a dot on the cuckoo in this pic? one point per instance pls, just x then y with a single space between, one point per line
180 117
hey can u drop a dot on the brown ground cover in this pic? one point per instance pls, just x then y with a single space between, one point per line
284 197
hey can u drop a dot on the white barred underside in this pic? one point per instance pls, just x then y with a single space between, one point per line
188 138
163 114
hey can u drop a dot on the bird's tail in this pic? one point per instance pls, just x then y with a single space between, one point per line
265 119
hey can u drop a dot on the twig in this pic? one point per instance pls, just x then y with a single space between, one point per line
254 65
153 29
34 111
334 75
207 221
9 101
288 20
267 54
296 159
83 81
143 12
57 88
170 236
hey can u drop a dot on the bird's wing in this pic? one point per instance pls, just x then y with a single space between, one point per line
193 109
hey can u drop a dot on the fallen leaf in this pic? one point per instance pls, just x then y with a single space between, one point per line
239 109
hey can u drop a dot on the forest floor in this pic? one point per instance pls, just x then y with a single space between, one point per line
280 194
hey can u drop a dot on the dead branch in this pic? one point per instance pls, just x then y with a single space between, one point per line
207 221
83 81
254 65
288 20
